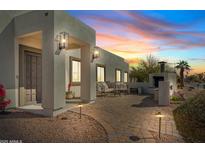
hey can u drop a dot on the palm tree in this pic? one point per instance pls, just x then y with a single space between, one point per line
182 66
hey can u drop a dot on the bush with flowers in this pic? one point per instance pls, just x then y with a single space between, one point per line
3 101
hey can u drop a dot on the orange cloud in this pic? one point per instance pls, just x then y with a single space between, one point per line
110 38
124 45
133 61
133 34
152 29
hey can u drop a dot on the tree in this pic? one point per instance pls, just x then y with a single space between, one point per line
192 78
137 74
182 66
144 68
200 77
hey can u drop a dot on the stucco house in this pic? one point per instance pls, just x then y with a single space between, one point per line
36 68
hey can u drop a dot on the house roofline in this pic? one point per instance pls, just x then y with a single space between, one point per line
112 53
86 25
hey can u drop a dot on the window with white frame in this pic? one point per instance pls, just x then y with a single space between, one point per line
75 71
125 77
100 74
118 75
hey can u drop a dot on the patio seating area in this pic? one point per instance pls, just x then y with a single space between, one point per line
115 88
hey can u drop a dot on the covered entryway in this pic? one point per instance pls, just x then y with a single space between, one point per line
37 31
30 69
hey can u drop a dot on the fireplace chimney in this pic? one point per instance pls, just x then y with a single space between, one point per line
162 66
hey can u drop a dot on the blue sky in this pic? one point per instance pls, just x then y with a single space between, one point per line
168 35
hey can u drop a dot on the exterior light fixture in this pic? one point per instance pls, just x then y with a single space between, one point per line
95 54
160 116
80 107
62 42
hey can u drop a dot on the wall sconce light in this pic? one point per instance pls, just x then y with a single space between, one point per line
62 42
95 54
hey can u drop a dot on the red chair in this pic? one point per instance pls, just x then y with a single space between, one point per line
3 102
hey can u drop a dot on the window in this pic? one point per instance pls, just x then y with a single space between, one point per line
75 70
125 77
100 73
118 75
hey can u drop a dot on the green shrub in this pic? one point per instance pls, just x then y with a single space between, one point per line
190 118
176 98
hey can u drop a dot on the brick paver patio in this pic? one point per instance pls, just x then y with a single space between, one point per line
131 118
118 119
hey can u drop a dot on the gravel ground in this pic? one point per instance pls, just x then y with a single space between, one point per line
65 128
189 93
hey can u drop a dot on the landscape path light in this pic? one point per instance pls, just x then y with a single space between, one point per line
80 107
160 116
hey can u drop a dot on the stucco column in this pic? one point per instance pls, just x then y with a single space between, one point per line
88 76
164 97
47 72
53 76
59 81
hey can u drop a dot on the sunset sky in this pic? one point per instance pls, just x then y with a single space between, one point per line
168 35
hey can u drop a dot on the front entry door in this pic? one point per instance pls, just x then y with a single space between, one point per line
30 75
32 66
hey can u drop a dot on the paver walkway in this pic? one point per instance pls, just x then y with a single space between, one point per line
131 118
118 119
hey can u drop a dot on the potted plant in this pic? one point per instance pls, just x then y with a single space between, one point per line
69 93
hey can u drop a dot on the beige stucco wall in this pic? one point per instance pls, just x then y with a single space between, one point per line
32 22
112 62
51 23
7 59
81 32
106 58
66 23
23 24
6 16
71 53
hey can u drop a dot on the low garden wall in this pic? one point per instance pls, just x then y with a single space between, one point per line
145 87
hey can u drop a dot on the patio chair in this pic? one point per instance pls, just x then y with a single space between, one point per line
124 88
118 88
121 87
99 89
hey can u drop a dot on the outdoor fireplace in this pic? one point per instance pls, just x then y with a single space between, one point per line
163 75
162 66
157 79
